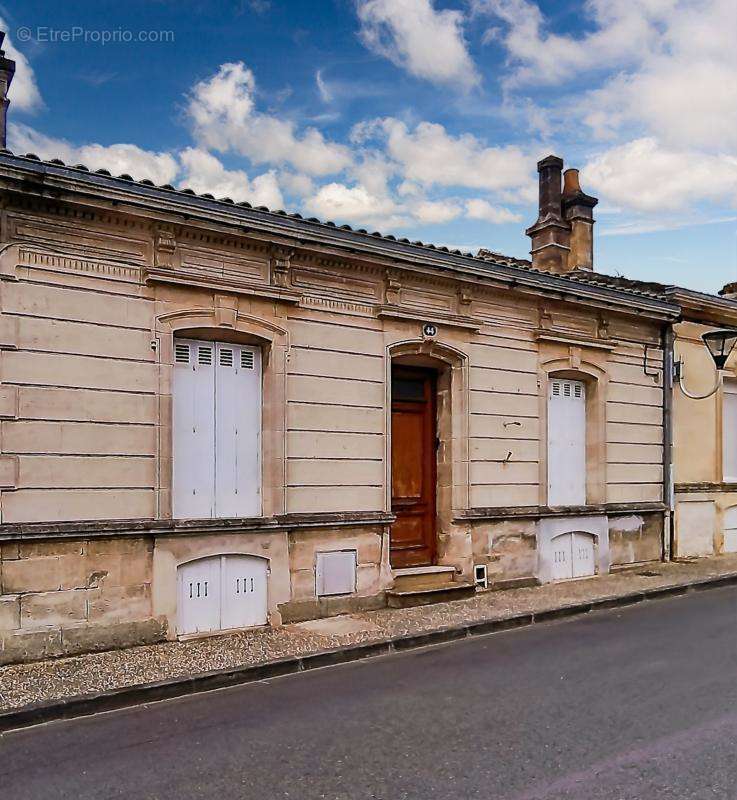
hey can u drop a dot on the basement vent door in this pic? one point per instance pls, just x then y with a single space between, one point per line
567 443
573 556
216 430
335 573
222 592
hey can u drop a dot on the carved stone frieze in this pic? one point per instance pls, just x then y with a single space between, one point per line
281 263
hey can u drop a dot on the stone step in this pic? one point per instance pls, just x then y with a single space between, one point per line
425 596
422 577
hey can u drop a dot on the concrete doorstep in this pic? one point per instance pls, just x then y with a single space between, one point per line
124 696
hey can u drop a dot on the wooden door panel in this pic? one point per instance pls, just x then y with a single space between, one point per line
407 432
413 467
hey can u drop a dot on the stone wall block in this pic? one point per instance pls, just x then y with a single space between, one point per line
303 547
9 612
136 568
118 546
30 575
73 572
17 647
8 402
368 579
90 638
103 569
303 584
120 604
49 549
53 609
9 551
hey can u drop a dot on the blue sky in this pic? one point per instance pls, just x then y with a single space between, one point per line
418 117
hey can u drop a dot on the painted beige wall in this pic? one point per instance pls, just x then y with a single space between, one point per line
701 495
85 396
697 445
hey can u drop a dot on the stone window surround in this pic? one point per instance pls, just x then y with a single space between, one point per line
596 381
236 328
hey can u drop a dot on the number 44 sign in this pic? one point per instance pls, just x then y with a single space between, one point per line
429 330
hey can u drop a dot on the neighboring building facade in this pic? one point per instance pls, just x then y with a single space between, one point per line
215 416
705 430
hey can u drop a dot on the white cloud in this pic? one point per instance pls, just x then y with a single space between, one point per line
686 93
117 158
23 92
429 155
638 226
646 176
323 89
296 183
624 31
665 67
374 171
203 173
353 204
415 36
224 118
478 208
436 212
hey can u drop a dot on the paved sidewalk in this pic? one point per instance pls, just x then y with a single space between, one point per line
55 680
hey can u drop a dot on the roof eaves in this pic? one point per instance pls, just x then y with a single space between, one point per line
312 229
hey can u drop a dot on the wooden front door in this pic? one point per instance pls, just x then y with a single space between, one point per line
413 467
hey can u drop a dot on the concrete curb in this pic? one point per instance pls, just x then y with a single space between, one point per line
114 699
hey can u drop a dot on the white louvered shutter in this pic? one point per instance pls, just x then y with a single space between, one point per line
238 431
566 443
193 427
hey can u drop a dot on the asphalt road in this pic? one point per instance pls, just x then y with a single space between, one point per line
633 703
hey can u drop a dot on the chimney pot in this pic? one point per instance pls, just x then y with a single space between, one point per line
549 169
571 183
578 210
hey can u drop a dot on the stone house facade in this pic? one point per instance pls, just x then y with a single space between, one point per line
704 429
214 416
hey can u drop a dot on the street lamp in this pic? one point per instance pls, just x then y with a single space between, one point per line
720 344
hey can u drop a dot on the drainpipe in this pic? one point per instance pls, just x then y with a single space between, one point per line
668 531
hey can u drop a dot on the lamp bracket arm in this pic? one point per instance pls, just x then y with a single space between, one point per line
678 376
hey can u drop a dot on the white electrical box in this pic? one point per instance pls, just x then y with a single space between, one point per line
335 573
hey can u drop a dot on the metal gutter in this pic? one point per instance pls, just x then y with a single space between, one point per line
33 175
668 518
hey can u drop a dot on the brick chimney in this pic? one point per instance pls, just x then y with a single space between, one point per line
7 70
550 234
562 236
578 211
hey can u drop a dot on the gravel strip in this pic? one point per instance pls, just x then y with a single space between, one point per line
45 681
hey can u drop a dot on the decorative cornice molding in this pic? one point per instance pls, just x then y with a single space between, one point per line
548 335
34 531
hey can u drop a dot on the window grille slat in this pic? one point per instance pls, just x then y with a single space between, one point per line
226 358
181 353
